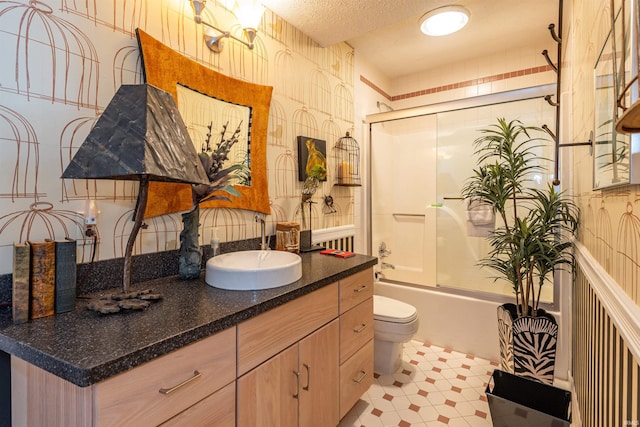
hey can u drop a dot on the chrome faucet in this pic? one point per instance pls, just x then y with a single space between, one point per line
383 252
387 265
263 237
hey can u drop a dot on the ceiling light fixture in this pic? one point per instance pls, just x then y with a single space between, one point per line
444 20
249 14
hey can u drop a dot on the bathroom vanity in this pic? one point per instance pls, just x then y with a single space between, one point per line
300 354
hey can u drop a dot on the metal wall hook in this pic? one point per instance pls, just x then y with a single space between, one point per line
556 68
550 132
545 53
328 203
556 104
552 30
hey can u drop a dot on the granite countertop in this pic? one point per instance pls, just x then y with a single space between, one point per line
85 347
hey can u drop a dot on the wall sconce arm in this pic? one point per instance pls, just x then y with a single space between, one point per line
214 41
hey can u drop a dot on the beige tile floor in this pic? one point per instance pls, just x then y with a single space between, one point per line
434 387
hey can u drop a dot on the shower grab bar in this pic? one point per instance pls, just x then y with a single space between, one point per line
406 214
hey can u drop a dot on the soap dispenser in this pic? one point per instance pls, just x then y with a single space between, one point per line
215 243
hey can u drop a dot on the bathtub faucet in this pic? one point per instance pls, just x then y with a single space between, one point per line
383 252
387 265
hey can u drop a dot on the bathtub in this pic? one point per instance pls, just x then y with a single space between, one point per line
464 324
467 324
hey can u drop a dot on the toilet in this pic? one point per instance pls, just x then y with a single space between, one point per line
394 323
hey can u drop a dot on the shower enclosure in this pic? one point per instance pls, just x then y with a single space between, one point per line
419 160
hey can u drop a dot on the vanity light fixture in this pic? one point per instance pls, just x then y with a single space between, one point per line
444 20
249 14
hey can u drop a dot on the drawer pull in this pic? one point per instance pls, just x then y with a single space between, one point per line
297 393
308 376
360 289
360 329
195 375
360 377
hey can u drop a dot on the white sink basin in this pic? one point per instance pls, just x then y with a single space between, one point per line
253 270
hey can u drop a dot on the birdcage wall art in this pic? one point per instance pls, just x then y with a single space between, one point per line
347 155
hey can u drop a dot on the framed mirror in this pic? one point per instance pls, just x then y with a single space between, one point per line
207 98
614 151
212 122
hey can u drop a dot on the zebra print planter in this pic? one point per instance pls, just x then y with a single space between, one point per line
527 344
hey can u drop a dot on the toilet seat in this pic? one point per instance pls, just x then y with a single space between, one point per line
393 311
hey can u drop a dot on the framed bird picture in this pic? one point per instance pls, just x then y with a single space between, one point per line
312 158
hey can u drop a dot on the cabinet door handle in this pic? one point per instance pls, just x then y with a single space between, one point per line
360 329
308 368
170 390
297 393
360 377
360 289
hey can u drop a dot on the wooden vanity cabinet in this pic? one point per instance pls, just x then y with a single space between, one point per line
288 363
356 338
216 410
149 394
307 362
319 385
267 334
298 386
304 363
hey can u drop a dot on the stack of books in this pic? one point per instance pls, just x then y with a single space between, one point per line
44 279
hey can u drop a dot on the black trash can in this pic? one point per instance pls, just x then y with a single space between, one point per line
520 402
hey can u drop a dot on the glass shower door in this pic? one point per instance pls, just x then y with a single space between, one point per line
458 249
403 185
419 165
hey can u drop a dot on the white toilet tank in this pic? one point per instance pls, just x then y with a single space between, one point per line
394 320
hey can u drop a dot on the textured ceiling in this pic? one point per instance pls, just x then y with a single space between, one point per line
332 21
386 32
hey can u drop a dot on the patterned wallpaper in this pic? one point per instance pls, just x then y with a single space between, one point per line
64 60
610 218
605 364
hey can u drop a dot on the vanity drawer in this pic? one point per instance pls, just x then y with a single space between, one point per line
267 334
218 410
356 376
356 328
134 397
355 289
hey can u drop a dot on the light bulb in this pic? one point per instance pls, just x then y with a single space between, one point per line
444 20
249 13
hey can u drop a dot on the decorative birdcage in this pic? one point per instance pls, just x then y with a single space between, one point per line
347 155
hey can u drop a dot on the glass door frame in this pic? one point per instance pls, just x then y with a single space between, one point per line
442 107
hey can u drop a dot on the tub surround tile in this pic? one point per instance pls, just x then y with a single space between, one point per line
85 347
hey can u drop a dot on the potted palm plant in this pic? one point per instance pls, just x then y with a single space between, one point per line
531 240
